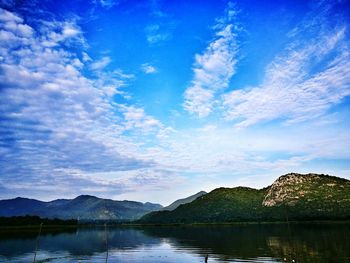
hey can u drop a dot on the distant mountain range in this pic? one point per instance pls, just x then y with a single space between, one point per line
291 197
183 201
84 207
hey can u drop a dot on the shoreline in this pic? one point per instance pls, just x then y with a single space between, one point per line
139 225
242 223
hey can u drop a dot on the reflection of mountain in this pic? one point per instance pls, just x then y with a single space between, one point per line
85 241
84 207
293 249
313 243
303 242
223 242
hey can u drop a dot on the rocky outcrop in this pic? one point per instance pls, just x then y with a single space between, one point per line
291 188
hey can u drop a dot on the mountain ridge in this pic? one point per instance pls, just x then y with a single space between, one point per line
182 201
84 207
302 196
298 196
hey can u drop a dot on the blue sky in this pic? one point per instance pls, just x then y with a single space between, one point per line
154 100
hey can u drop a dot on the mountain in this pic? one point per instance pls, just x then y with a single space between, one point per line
293 196
183 201
84 207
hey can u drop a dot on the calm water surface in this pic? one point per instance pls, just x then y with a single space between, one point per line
250 243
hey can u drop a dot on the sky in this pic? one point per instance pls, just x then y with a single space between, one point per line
155 100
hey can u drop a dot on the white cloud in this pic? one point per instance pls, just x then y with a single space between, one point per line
161 27
108 3
218 150
300 84
137 118
86 57
57 124
6 16
199 100
155 34
148 68
70 30
214 68
100 64
53 33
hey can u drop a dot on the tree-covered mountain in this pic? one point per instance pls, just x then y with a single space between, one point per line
84 207
183 201
292 196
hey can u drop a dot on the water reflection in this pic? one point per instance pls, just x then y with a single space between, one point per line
303 243
250 243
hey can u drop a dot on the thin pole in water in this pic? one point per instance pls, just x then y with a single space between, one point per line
289 234
106 239
37 242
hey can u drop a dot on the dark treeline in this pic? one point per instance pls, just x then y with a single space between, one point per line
34 220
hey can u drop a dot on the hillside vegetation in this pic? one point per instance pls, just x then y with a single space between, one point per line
84 207
292 196
183 201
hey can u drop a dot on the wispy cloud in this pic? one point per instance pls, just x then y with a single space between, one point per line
162 26
221 150
213 68
108 3
57 124
148 68
100 64
304 81
137 118
155 33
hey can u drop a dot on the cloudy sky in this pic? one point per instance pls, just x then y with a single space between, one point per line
153 100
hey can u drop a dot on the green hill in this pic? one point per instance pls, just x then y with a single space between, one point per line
84 207
182 201
296 196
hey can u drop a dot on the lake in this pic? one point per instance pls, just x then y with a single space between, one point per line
235 243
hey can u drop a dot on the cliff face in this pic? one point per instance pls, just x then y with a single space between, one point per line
293 189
